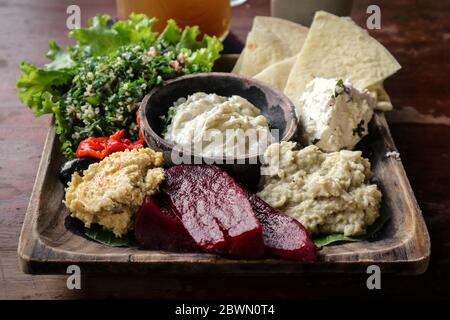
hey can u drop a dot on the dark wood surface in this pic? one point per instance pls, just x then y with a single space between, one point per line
418 35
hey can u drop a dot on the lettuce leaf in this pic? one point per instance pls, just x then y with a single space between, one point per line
106 237
371 233
61 59
40 87
137 29
100 38
202 60
170 35
333 239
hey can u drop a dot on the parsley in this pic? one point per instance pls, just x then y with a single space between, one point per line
339 89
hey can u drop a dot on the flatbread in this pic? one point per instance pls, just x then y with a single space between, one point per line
338 48
270 40
278 73
237 67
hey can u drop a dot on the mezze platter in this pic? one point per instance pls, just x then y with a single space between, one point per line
50 240
166 157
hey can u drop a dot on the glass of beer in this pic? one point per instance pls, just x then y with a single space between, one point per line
212 16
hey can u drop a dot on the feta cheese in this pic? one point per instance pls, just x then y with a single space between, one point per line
334 115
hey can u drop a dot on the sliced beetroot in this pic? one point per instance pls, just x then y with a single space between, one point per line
215 210
283 236
159 226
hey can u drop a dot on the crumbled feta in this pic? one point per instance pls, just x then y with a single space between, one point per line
334 115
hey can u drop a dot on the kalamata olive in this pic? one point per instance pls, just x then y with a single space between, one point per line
74 165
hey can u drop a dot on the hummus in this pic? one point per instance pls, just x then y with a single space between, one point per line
326 192
214 125
111 191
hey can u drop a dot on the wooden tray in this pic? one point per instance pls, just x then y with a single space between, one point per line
49 242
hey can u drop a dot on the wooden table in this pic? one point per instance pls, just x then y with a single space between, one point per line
418 35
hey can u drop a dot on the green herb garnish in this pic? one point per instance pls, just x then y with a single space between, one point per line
339 89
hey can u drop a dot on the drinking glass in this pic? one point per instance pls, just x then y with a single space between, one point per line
212 16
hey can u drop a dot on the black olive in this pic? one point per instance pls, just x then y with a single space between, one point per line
74 165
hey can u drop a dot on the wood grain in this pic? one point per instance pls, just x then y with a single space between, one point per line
416 32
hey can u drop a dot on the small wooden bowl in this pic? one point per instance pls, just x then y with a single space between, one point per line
274 105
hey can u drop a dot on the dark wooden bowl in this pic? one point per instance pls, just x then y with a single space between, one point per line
274 105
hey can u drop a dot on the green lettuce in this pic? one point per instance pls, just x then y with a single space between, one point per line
100 38
41 88
106 237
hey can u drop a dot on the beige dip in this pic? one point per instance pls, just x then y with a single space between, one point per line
111 191
327 192
216 124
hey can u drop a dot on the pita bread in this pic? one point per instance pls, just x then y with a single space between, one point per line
270 40
278 73
338 48
237 67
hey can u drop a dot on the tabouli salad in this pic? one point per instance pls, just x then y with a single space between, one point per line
94 87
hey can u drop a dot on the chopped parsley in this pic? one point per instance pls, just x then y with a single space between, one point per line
339 89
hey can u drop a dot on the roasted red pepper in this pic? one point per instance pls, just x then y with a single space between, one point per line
101 147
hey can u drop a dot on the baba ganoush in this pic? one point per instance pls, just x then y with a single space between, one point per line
218 125
326 192
111 191
333 114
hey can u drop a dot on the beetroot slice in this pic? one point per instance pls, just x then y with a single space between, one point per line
215 210
283 236
159 226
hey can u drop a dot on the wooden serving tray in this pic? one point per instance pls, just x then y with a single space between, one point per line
49 242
